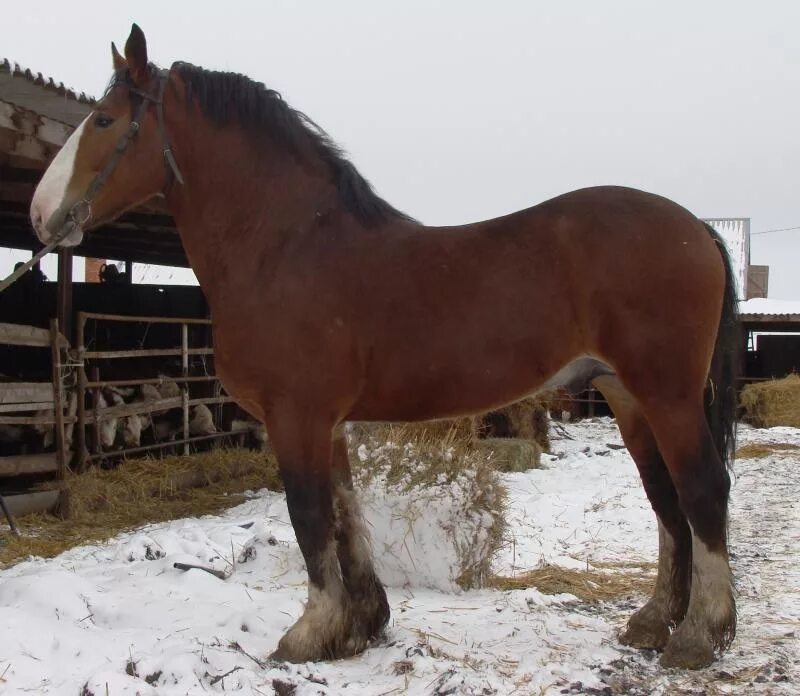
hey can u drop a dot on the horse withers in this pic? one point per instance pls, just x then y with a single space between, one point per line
329 305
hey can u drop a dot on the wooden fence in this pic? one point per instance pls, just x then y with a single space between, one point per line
89 384
43 404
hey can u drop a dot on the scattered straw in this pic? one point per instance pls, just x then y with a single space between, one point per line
772 403
758 450
141 491
588 585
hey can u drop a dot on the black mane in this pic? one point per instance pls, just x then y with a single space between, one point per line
233 98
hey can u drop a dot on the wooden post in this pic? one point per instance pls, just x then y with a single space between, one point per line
185 392
128 272
58 398
64 309
79 437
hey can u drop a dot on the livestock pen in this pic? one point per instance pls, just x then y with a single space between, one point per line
187 345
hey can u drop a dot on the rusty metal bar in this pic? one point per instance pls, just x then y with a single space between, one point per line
154 380
143 407
80 436
144 353
96 447
167 443
58 398
145 320
185 388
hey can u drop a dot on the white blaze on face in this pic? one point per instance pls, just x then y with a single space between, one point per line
52 189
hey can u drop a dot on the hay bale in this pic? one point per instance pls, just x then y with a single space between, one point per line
435 509
527 419
510 454
772 403
446 429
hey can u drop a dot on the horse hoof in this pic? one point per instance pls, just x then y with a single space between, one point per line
647 629
645 636
688 649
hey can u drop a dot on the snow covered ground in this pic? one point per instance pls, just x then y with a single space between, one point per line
118 618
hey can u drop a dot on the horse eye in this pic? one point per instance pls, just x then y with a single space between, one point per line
103 121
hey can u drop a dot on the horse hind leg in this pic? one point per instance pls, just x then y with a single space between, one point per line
650 626
369 606
702 484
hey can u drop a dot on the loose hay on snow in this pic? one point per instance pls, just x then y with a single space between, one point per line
141 491
758 450
435 506
772 403
590 585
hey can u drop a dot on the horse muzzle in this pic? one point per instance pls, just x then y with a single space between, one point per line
65 225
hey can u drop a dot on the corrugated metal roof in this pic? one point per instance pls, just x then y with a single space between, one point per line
43 95
765 309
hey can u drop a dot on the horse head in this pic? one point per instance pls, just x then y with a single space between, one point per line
113 160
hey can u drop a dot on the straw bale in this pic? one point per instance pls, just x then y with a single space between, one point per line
772 403
435 508
526 419
507 454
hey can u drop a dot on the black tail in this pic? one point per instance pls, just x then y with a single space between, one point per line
721 398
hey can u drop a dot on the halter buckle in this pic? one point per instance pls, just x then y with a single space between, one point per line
82 206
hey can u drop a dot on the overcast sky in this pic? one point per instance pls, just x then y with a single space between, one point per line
459 111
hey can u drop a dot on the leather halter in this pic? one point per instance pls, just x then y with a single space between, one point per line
81 212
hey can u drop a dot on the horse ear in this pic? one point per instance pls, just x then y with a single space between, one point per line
136 55
117 60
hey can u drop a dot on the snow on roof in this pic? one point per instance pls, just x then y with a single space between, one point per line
735 232
773 308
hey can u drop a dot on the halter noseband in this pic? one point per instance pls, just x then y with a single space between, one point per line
81 212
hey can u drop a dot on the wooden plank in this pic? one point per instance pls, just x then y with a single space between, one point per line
29 503
33 420
23 335
21 464
25 392
27 406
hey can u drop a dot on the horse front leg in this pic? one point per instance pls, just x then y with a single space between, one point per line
327 629
370 608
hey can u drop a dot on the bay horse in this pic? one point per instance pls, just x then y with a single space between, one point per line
329 305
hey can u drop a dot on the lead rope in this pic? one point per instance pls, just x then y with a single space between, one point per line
25 267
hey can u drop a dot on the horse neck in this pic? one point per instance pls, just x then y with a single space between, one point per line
239 194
